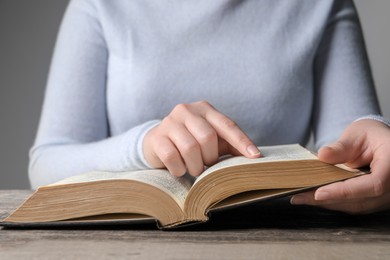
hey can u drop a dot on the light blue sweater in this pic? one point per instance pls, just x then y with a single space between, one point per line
281 69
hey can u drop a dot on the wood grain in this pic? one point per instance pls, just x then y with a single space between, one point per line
271 230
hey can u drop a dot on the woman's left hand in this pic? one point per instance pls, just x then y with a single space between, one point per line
365 142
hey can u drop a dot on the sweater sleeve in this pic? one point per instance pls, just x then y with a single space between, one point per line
344 88
73 134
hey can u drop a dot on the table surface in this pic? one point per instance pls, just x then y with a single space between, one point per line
267 230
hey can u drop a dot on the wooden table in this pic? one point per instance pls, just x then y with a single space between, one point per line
268 230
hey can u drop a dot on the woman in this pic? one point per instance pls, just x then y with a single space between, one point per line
128 82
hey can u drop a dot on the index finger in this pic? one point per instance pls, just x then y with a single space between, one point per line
227 129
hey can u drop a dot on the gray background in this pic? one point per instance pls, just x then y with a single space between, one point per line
27 35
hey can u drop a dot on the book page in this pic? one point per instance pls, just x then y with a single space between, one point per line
268 154
177 187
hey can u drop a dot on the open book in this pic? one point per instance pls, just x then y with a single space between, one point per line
139 195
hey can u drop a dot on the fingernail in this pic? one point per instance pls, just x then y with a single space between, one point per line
253 150
322 195
298 200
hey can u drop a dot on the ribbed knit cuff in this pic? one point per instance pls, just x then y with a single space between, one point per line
378 118
134 158
140 150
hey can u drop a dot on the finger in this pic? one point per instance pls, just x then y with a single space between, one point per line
303 198
351 149
356 188
169 156
232 133
380 167
188 148
334 153
366 186
205 136
225 148
344 152
354 206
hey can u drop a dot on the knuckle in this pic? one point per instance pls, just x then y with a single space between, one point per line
168 155
180 108
228 123
166 121
203 103
189 148
207 137
378 187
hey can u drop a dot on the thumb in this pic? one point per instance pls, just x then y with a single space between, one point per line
348 151
335 153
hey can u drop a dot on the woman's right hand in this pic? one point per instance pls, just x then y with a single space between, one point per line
193 136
